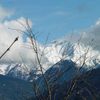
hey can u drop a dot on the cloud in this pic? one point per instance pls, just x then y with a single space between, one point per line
92 36
89 36
4 13
18 50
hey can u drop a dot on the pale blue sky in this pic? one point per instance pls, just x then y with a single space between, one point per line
58 17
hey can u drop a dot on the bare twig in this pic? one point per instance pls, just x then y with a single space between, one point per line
16 39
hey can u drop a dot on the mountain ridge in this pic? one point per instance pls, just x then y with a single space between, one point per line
53 53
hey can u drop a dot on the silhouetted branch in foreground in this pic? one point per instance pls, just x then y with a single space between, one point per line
16 39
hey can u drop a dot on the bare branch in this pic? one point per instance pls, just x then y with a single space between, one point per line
16 39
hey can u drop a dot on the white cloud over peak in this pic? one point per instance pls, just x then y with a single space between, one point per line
92 36
89 36
7 36
18 50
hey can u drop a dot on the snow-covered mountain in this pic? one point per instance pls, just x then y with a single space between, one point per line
62 80
52 53
19 71
62 71
62 61
76 52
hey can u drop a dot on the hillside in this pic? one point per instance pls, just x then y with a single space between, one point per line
14 89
